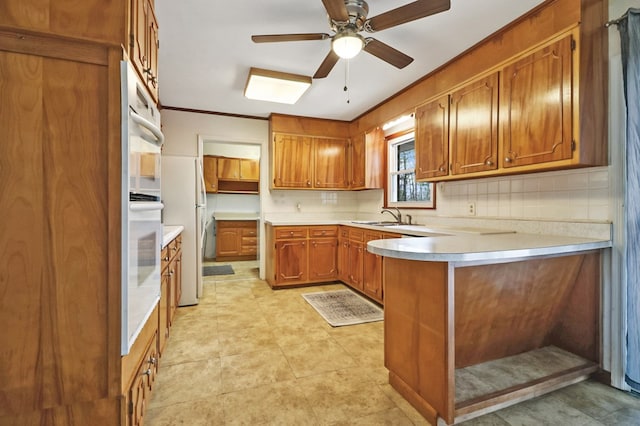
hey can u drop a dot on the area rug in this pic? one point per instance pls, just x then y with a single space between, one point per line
344 307
217 270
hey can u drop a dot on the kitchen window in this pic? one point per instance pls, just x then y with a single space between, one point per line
402 188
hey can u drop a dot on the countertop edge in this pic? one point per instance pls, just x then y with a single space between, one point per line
169 232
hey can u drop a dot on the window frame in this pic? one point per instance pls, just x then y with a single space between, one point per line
392 142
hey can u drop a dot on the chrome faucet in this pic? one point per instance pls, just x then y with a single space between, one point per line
397 217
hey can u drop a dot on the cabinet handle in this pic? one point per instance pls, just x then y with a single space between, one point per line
507 159
441 169
174 248
308 183
152 360
489 163
291 233
146 373
166 258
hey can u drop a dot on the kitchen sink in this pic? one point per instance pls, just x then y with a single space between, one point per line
375 223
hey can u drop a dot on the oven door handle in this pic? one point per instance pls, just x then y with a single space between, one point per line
139 206
140 120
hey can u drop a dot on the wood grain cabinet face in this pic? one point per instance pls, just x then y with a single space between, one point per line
306 162
536 112
236 239
249 169
367 154
210 171
229 168
432 139
473 127
323 253
143 48
292 159
372 269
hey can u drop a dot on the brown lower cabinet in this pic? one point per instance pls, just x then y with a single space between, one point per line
140 365
300 255
236 240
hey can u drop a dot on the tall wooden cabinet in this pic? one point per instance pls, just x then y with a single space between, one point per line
367 160
143 48
61 203
210 172
432 138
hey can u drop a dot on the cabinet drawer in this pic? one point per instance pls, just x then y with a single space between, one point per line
249 241
371 236
249 232
249 224
165 257
344 232
356 234
323 231
291 232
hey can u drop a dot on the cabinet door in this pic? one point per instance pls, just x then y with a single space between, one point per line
535 107
228 242
249 169
372 270
473 129
228 168
330 163
375 148
210 169
323 253
291 262
357 157
152 51
291 161
432 139
356 258
163 311
343 260
139 35
177 289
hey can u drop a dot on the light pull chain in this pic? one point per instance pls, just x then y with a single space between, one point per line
346 80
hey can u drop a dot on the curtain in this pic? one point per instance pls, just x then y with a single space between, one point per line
629 27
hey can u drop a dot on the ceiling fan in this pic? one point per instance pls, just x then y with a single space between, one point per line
347 18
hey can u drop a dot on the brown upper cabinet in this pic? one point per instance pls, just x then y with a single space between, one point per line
143 49
366 158
521 118
238 169
210 171
536 116
307 162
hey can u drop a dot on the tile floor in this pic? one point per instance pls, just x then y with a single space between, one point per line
247 355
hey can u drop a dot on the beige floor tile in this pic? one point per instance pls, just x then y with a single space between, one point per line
318 356
295 334
186 382
198 348
200 412
413 414
253 369
275 404
546 410
391 417
597 400
250 339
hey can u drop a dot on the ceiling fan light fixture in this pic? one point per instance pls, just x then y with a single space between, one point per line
275 86
347 44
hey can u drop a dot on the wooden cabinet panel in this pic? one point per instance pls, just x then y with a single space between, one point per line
356 265
323 256
210 171
228 168
292 262
432 139
372 269
473 130
292 160
249 169
236 239
91 19
330 163
536 107
58 320
367 156
288 232
143 45
343 259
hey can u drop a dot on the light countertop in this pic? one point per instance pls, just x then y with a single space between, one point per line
482 247
169 232
236 215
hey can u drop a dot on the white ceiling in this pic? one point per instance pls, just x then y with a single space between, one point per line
206 52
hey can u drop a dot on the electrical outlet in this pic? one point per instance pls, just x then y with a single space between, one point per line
471 208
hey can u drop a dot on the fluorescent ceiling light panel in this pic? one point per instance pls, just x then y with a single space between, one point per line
275 86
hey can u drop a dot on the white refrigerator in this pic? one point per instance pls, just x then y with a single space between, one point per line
185 203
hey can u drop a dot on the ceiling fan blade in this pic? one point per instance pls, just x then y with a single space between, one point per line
407 13
271 38
387 53
337 10
327 65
